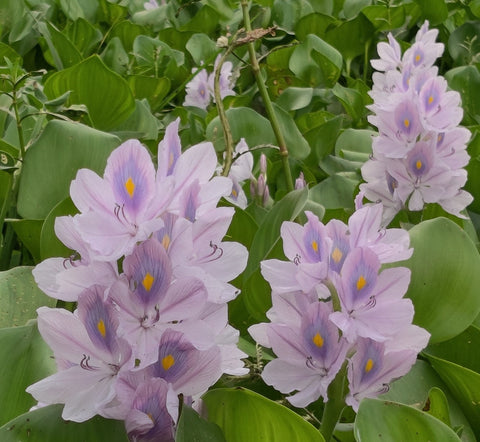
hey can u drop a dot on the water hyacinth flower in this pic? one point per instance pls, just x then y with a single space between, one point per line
151 277
334 306
414 112
200 90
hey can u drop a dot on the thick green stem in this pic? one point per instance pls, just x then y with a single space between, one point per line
333 293
335 405
266 99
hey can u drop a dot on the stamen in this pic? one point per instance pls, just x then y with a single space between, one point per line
84 363
296 260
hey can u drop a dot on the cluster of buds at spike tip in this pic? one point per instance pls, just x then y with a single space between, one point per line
420 152
157 329
258 187
333 302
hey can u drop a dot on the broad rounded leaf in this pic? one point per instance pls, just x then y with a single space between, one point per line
52 161
25 360
192 428
389 421
20 297
46 424
105 93
245 416
465 386
445 278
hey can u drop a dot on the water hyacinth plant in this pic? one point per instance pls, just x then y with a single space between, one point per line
239 221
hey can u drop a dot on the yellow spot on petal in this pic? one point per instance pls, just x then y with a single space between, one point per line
361 282
165 241
337 255
148 282
318 340
368 366
130 186
315 246
430 99
170 159
406 123
234 193
418 164
101 328
418 57
151 417
167 362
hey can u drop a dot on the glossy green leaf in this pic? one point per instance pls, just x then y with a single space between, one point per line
20 297
51 163
46 424
25 359
205 20
351 101
385 17
314 23
245 416
62 51
268 234
435 11
244 123
127 32
151 88
321 133
10 53
28 232
359 32
287 14
201 48
354 144
464 43
105 93
445 278
437 405
141 124
316 62
83 35
115 56
335 192
50 245
466 80
464 385
192 428
351 8
297 146
256 296
7 161
390 421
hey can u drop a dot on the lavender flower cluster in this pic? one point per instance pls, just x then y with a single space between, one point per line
332 303
420 152
151 277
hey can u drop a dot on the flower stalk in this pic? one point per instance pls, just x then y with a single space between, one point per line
266 99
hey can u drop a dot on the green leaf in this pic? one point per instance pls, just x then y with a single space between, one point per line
244 123
321 134
465 386
53 160
389 421
413 389
25 360
314 23
151 88
7 161
297 146
385 17
351 100
46 424
28 232
201 48
268 234
245 416
350 37
287 14
105 93
140 125
437 405
316 62
435 11
351 8
20 297
62 51
127 32
50 245
466 80
335 192
192 428
115 56
83 35
354 144
10 53
464 43
445 278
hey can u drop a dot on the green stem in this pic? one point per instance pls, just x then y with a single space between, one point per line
227 133
335 405
333 293
21 139
266 99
